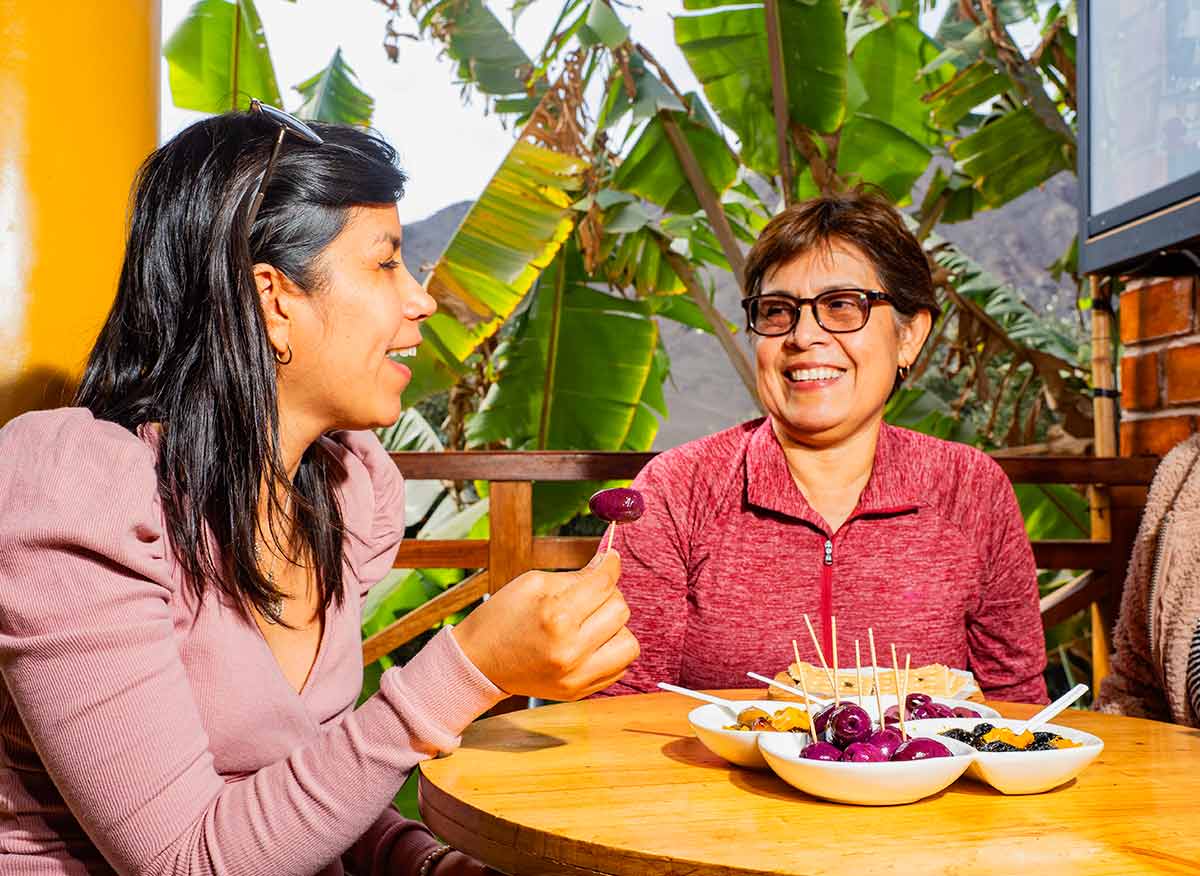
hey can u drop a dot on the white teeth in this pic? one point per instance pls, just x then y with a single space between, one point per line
402 353
802 374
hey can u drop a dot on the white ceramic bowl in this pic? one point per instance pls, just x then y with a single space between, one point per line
865 784
736 746
1022 772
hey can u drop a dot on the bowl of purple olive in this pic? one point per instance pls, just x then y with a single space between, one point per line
852 758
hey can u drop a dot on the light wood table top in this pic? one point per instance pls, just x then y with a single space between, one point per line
621 786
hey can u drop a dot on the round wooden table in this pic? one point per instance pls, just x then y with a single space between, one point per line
621 786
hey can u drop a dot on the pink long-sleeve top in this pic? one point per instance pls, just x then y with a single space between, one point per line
143 732
729 557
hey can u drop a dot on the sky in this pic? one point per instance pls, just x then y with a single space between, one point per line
450 150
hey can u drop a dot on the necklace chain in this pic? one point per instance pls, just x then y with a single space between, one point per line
272 612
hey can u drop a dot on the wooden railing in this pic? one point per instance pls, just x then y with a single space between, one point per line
512 547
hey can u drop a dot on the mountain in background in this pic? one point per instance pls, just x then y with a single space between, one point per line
1016 243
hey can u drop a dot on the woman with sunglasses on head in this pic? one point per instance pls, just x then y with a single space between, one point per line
184 554
820 508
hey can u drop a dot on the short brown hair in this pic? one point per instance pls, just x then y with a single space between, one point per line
866 220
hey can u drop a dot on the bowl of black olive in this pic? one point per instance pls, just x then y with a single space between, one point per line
1015 762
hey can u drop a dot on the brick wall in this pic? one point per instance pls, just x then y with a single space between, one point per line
1160 364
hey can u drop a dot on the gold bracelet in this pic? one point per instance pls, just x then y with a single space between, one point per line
432 858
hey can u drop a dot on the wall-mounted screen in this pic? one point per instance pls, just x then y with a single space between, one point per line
1139 94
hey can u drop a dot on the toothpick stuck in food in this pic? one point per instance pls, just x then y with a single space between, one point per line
901 694
820 656
858 672
812 727
875 676
837 699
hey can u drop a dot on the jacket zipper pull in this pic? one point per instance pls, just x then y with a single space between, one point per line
829 552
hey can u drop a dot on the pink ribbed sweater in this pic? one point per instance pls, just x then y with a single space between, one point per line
143 733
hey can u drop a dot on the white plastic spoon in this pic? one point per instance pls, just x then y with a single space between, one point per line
731 706
1053 709
816 701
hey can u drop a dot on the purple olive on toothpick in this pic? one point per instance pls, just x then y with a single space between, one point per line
616 506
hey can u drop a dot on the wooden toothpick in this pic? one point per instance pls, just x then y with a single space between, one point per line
837 700
900 695
875 676
820 654
858 672
812 728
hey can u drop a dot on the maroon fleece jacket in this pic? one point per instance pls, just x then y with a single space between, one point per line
729 557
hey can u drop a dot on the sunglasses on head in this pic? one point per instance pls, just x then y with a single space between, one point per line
288 124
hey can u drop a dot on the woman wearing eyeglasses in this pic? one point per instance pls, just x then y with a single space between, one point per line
184 554
821 508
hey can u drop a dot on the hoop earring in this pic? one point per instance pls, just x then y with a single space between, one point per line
904 369
281 360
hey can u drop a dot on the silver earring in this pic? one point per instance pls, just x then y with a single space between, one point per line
904 369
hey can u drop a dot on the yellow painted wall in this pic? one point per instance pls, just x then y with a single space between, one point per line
78 114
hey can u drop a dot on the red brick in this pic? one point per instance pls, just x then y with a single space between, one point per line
1139 383
1183 374
1157 310
1156 436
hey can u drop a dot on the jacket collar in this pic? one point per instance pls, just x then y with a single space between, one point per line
769 484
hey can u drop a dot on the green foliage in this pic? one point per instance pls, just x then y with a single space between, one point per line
1011 155
489 58
508 237
652 171
560 385
332 95
727 50
202 69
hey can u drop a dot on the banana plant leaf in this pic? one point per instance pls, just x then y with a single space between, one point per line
887 140
964 40
488 56
972 86
893 66
1053 511
962 200
581 370
650 96
1011 155
916 408
875 152
200 58
652 171
332 95
603 26
509 235
727 50
1004 303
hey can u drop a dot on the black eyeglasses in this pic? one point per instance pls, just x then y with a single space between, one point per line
288 124
837 311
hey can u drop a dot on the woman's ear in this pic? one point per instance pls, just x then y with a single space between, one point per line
276 296
913 333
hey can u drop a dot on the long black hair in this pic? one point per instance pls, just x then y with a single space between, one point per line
185 344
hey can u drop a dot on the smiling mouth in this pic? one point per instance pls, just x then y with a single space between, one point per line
402 353
812 375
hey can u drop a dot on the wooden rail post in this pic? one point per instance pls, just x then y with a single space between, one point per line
1104 426
510 547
